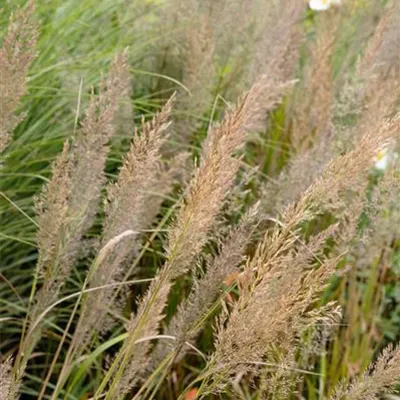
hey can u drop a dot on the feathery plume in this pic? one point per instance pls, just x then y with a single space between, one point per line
277 44
281 281
306 166
125 209
185 323
52 211
67 206
371 255
16 56
382 37
198 70
204 199
279 382
379 68
174 171
126 198
369 92
8 388
209 186
380 378
90 147
313 111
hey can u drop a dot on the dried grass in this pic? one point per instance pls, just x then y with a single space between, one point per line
16 56
272 262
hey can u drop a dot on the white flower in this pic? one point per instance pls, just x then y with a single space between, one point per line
384 158
319 5
322 5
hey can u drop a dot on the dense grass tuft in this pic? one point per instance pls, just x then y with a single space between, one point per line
199 200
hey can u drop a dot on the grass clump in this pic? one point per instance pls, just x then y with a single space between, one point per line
176 246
